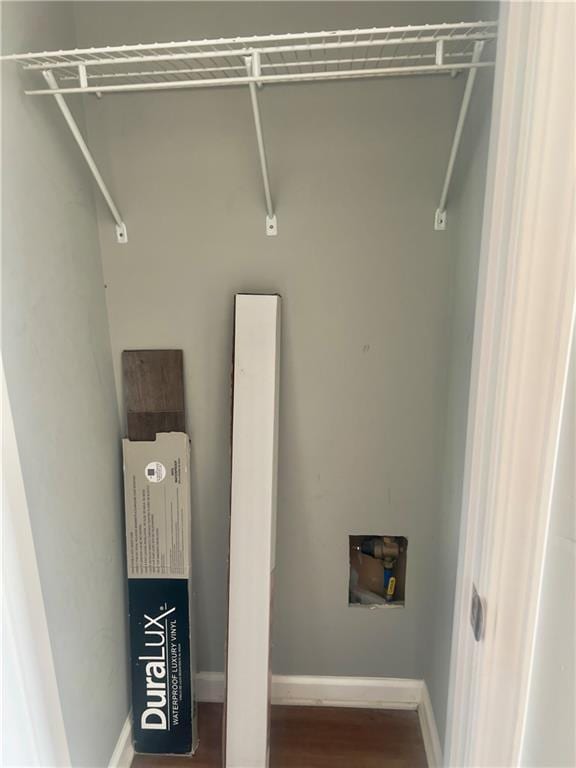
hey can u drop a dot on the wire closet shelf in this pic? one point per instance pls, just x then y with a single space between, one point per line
255 61
303 57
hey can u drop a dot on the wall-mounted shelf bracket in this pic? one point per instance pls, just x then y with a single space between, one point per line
121 232
271 226
439 219
440 215
253 71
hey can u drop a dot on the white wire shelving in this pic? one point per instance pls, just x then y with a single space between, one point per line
431 49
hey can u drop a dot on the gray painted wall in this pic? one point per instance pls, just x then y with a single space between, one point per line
356 171
465 225
550 738
58 366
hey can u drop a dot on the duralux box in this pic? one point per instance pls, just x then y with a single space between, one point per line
158 542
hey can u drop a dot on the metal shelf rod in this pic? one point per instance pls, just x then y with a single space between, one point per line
121 233
288 78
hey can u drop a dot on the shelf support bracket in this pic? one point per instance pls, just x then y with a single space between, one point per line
253 70
121 233
440 215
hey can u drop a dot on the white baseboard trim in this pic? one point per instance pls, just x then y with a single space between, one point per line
373 692
123 751
369 692
429 730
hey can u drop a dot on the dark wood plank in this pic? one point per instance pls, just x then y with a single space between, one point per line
153 392
315 737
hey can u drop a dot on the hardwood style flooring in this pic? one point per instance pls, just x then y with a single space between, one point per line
315 737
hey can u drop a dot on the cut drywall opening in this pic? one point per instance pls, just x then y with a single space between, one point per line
377 570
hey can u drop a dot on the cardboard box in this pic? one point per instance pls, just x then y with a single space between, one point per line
252 529
158 543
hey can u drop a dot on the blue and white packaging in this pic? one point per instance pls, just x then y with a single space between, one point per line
158 544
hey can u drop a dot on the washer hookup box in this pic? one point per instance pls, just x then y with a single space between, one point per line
158 542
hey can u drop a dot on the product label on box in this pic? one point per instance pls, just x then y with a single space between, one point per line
161 666
157 504
155 472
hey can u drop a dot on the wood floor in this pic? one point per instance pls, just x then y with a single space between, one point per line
315 737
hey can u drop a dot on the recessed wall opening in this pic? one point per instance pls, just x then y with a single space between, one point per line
377 570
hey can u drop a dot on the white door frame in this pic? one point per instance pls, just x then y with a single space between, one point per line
524 326
31 705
